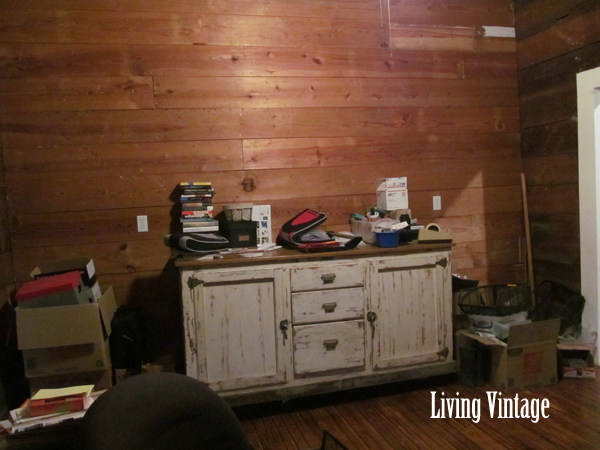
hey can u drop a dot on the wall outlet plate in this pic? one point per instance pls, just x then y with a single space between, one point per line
437 202
142 223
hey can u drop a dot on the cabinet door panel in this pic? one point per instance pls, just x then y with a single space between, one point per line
241 343
409 302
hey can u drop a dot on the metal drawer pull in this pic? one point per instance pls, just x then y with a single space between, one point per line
328 278
329 307
330 344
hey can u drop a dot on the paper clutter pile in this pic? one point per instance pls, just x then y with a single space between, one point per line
50 407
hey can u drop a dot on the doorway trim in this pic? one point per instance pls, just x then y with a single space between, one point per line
588 129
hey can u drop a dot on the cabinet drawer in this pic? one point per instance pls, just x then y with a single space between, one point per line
328 306
329 347
327 276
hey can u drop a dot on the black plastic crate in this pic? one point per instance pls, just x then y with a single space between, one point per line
495 300
554 300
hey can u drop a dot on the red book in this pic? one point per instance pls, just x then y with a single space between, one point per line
56 406
49 285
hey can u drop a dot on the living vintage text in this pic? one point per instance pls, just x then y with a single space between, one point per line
443 407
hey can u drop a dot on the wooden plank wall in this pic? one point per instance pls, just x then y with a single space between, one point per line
555 41
106 105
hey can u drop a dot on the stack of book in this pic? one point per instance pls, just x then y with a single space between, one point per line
51 407
197 207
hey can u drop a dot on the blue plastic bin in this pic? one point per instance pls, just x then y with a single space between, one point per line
387 238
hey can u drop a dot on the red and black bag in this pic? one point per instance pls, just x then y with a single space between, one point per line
301 230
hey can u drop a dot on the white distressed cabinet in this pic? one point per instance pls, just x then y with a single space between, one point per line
290 323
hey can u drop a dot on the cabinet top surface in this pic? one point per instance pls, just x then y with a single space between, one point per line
191 260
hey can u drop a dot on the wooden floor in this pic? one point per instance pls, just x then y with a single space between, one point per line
399 417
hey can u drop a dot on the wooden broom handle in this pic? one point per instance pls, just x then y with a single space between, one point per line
528 238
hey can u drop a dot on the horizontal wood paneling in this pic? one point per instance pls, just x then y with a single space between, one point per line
570 33
94 127
555 105
555 231
507 274
550 139
111 258
460 39
348 9
549 170
487 253
548 91
279 92
107 106
559 253
68 60
74 192
489 65
551 74
30 163
124 159
453 12
80 94
411 149
535 16
89 227
554 199
135 27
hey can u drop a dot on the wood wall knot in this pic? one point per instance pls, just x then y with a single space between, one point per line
128 85
248 184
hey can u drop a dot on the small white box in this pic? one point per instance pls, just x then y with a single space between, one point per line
392 199
392 193
391 183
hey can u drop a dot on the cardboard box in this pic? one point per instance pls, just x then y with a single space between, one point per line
528 358
84 265
576 361
392 199
392 193
392 183
66 339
